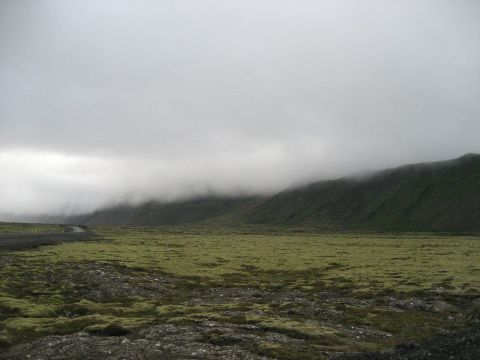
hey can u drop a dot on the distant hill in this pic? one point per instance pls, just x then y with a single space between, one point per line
221 209
440 196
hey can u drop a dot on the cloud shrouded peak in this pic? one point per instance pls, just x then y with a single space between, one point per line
105 101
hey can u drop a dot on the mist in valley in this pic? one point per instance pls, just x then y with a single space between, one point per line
120 101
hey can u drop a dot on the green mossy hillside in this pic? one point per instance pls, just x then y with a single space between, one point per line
439 197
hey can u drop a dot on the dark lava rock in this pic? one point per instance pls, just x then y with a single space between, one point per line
464 345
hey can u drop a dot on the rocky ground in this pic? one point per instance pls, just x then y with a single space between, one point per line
231 337
105 310
462 345
213 340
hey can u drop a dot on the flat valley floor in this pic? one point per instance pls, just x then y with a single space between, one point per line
203 293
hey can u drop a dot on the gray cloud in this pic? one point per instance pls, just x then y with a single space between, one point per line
102 101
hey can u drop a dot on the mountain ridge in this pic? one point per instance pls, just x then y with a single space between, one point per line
436 196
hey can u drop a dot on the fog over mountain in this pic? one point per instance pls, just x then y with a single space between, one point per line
109 101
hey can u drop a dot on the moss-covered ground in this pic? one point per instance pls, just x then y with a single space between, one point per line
328 292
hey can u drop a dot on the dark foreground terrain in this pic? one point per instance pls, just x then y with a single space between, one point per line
215 341
158 293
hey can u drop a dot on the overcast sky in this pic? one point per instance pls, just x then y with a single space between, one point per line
103 101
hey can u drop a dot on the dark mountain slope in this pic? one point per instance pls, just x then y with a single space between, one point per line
175 213
442 196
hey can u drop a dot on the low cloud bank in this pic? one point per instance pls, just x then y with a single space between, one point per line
113 101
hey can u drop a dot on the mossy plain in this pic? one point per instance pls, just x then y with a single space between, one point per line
333 292
404 262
